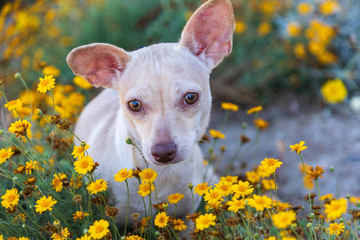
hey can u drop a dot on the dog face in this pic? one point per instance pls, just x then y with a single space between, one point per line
164 89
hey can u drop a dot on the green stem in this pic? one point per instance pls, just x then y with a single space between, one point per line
127 206
303 163
276 197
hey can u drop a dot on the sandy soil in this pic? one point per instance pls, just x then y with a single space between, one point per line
332 137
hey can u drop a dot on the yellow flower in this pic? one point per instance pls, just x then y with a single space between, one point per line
30 166
214 196
334 91
261 123
79 215
336 208
283 219
259 202
14 105
57 183
225 187
5 154
264 28
329 196
134 237
235 205
79 152
22 238
20 128
51 70
271 164
161 220
202 188
355 200
216 134
84 164
308 182
336 228
99 185
293 29
99 229
62 236
252 176
148 175
123 175
315 173
270 238
268 184
46 83
45 204
242 189
240 27
299 50
228 178
10 198
145 189
304 8
81 82
179 225
175 198
205 221
85 237
298 147
254 110
229 106
329 7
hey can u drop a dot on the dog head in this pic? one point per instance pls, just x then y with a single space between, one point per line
164 88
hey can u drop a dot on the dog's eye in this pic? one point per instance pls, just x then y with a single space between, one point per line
191 98
134 105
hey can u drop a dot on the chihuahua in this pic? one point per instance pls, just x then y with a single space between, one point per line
159 97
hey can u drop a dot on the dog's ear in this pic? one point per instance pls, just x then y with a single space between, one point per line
208 33
99 63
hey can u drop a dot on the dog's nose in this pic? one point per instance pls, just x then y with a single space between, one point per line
164 152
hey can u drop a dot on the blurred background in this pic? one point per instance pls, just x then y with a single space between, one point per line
298 59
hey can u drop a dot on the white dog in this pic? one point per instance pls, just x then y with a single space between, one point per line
158 96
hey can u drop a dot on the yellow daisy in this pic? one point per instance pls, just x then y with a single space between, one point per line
336 228
235 205
99 229
205 221
254 110
283 219
79 215
99 185
10 198
84 165
298 147
5 154
57 183
175 198
242 189
46 83
79 151
21 128
216 134
161 220
45 204
81 82
229 106
145 189
63 235
123 175
336 208
259 202
148 175
179 225
202 188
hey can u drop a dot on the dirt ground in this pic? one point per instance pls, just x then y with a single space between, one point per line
332 136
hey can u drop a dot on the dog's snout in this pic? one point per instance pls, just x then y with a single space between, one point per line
164 153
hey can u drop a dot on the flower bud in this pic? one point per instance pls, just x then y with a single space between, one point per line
332 168
256 235
341 220
24 225
15 179
190 186
77 199
83 144
37 111
244 125
56 223
348 196
309 225
312 215
128 141
222 148
17 75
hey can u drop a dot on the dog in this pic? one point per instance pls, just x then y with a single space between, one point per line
159 97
